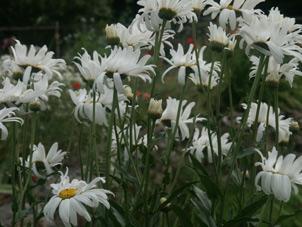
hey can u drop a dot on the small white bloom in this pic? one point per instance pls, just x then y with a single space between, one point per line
175 11
125 63
227 10
169 117
276 71
201 143
53 158
217 35
279 175
203 77
182 61
272 35
266 118
84 107
70 198
90 68
8 115
41 59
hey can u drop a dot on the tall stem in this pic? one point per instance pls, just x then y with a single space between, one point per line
28 177
93 128
158 41
13 168
276 107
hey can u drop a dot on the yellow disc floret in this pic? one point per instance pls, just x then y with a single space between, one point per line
68 193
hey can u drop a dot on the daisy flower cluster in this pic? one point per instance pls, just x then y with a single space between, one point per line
154 148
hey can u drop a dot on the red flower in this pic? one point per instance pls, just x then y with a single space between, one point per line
147 96
76 85
138 93
190 40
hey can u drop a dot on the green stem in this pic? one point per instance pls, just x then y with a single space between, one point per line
94 136
159 37
13 167
175 128
29 175
276 107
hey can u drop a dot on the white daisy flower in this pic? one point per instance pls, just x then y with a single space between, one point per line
181 60
227 10
272 35
84 107
8 115
265 112
40 59
217 36
125 63
90 68
175 11
19 92
203 79
70 198
137 35
201 143
169 117
279 175
53 158
277 71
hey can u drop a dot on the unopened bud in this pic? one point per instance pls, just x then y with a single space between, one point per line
112 34
155 108
128 92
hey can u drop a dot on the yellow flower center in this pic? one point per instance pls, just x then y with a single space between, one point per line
68 193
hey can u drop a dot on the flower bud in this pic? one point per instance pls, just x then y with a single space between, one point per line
128 92
155 108
112 34
294 126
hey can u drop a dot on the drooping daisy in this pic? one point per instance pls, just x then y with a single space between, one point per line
125 63
19 92
227 10
40 59
267 118
279 175
8 115
204 77
175 11
181 60
137 35
276 71
53 158
169 117
201 143
90 68
217 37
83 101
272 37
71 198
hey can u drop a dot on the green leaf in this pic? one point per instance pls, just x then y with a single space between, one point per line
246 152
246 214
253 208
182 216
285 217
175 194
197 165
211 188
